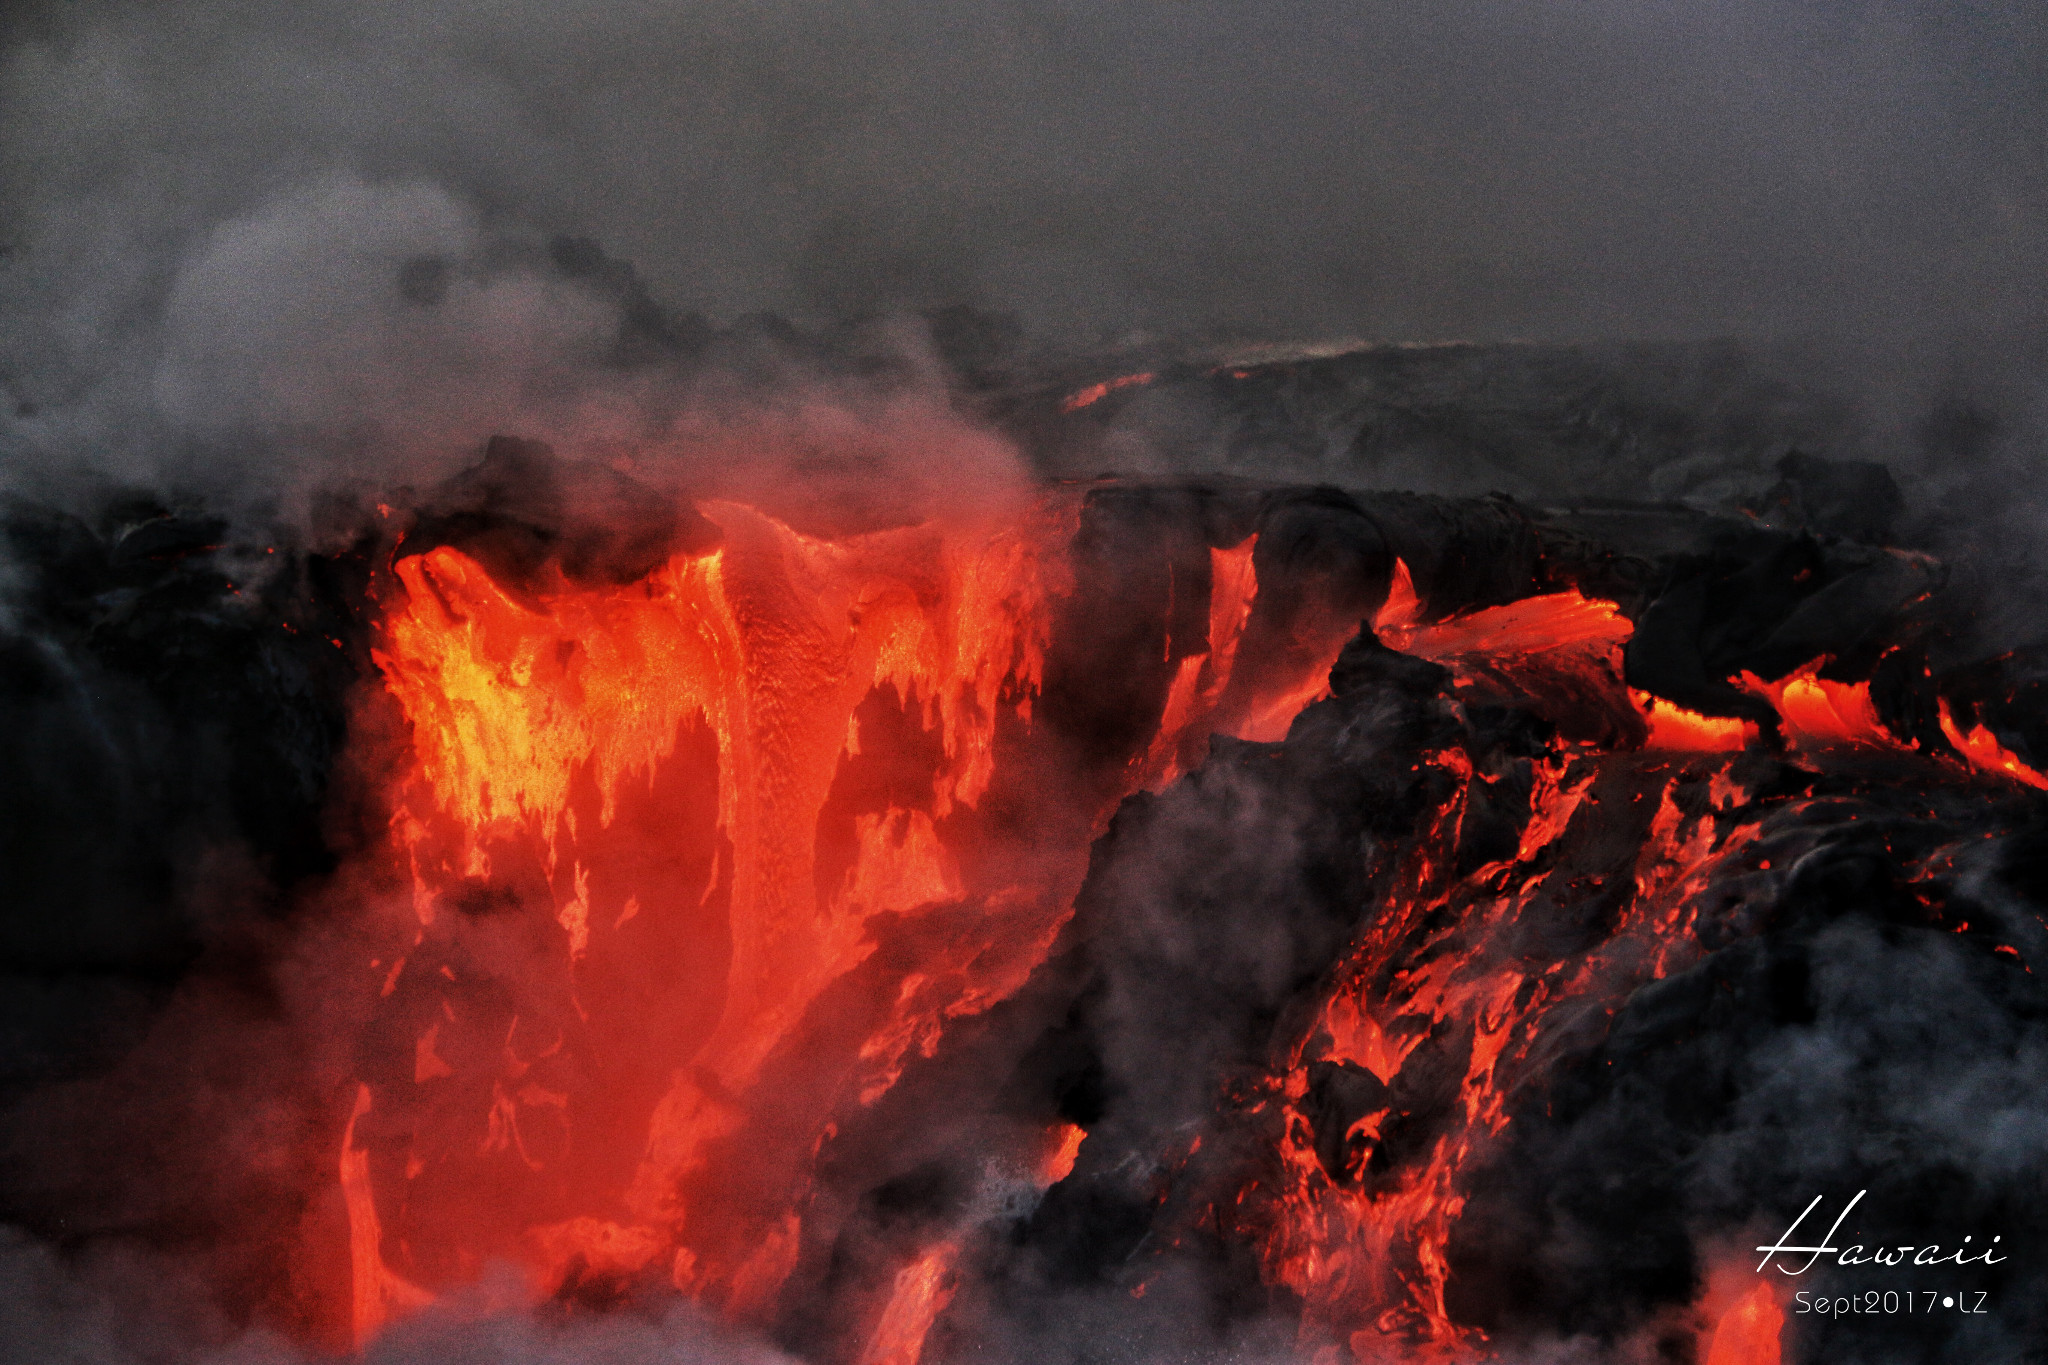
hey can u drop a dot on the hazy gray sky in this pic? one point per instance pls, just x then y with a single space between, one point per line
197 189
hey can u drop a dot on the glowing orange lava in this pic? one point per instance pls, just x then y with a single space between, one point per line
922 1290
1982 751
651 836
1095 393
1552 622
688 870
1367 1254
1748 1332
1202 677
1058 1163
1674 727
1817 713
1820 713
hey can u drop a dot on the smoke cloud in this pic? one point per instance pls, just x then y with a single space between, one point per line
320 222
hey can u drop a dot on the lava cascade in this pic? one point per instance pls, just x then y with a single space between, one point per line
651 838
668 847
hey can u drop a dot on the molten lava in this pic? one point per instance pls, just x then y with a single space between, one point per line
1201 678
651 838
1748 1333
1434 987
1095 393
921 1293
693 868
1674 727
1982 751
1364 1246
1820 713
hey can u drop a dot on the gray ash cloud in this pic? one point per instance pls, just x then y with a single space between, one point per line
318 223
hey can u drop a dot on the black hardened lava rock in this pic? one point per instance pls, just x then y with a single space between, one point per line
170 692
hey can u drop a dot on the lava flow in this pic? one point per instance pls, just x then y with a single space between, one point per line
696 873
1393 1090
669 847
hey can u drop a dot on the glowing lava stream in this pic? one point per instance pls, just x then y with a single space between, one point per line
724 783
651 837
1816 713
1365 1252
